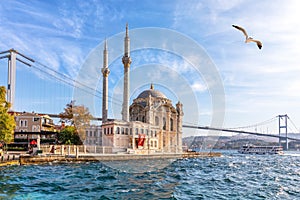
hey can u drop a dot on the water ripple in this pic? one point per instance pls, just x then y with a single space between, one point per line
232 176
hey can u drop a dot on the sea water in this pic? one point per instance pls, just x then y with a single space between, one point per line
231 176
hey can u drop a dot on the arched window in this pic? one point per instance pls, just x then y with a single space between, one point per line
143 119
164 124
156 121
171 124
122 131
118 130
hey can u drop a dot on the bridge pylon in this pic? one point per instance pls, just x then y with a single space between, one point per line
282 120
11 79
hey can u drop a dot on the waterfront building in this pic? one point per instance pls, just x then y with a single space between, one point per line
93 135
33 126
33 122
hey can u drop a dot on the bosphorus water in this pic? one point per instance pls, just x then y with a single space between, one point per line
232 176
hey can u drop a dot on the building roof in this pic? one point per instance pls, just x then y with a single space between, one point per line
152 92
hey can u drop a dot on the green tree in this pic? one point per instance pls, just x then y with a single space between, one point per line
7 121
77 116
69 135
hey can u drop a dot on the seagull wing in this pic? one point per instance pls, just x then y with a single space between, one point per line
259 44
241 29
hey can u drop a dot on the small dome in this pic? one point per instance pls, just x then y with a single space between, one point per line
152 92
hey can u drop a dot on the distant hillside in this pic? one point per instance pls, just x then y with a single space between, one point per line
235 142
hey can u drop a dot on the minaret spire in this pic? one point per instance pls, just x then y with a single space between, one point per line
126 43
127 30
105 44
105 73
126 60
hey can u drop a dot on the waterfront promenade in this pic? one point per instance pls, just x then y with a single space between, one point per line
23 158
9 159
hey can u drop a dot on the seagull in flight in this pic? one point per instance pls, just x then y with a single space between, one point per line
248 39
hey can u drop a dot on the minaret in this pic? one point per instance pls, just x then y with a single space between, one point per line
179 109
105 72
126 62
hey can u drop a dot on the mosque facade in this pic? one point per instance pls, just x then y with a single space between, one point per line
151 124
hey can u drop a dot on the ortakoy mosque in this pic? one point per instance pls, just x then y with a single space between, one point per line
151 124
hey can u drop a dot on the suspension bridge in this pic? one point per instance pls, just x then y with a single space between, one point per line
282 133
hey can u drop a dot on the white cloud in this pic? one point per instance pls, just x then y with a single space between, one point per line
199 87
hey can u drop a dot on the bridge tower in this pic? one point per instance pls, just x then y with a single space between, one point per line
282 119
11 85
11 79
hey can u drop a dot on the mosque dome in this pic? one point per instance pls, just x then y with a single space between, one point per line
152 92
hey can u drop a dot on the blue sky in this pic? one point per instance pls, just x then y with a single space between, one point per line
63 34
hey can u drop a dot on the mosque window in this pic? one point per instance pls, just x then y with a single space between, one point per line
156 121
171 124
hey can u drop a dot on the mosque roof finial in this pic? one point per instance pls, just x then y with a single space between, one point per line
151 86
